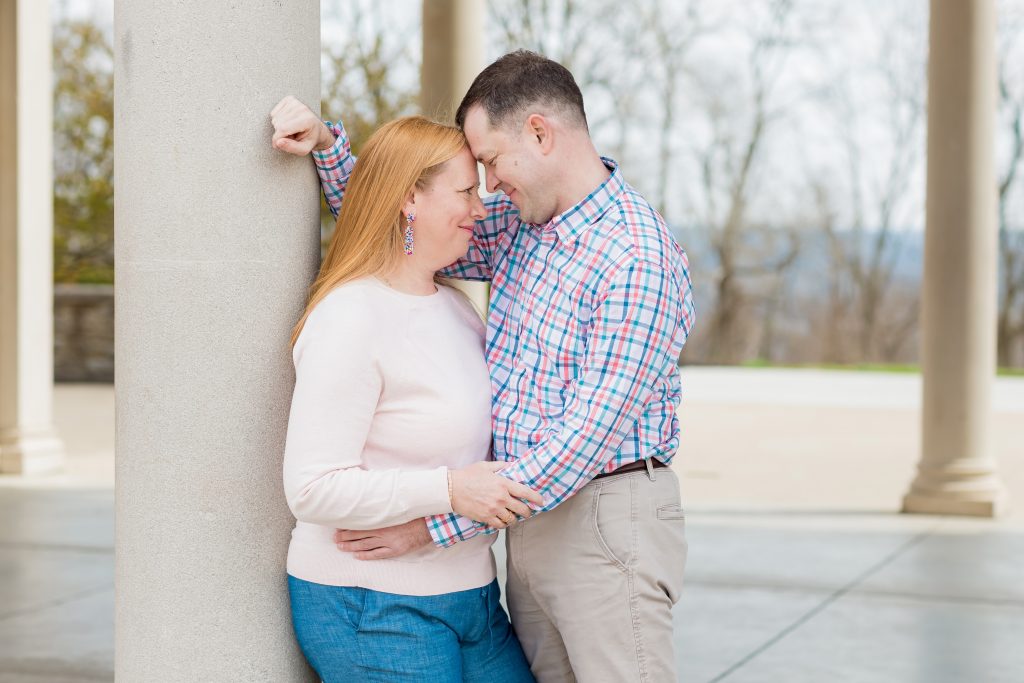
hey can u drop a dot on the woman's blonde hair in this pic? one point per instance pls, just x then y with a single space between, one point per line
401 155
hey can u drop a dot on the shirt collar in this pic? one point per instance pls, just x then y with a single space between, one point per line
570 223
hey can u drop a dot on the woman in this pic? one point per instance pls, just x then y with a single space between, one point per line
390 422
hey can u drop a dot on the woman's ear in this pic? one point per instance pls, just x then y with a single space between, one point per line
410 205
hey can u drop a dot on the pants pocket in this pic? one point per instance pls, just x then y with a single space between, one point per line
671 547
352 604
671 511
614 521
668 534
323 629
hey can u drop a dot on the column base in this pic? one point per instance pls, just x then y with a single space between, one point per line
994 504
28 454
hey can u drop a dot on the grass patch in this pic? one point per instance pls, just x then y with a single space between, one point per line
865 367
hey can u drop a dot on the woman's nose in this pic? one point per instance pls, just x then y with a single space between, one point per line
477 211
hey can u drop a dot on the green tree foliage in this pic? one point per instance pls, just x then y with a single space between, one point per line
83 198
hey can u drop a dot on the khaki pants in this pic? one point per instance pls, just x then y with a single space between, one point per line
591 584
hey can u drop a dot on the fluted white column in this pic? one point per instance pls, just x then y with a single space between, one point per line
217 241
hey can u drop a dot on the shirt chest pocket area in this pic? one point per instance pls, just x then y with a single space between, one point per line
555 332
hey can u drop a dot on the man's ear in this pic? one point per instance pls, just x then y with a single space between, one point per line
539 130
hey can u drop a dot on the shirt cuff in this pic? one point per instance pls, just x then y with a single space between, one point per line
447 530
336 153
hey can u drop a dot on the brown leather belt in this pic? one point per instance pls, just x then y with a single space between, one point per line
635 466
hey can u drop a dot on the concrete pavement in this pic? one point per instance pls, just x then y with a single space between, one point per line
801 568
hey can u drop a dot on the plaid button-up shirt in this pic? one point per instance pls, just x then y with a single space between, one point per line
588 315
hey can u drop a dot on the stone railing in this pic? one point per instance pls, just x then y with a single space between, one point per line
83 333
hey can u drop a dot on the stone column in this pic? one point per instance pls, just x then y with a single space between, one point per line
28 440
217 241
956 474
453 54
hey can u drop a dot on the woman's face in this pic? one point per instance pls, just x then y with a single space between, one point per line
447 212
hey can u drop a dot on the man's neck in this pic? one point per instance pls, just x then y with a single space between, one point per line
587 173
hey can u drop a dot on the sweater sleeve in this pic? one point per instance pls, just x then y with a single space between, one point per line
338 382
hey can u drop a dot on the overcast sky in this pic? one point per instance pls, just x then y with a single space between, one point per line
807 143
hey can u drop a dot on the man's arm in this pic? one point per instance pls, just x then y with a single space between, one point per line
478 263
297 130
639 329
334 166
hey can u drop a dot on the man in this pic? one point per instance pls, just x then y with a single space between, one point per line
590 307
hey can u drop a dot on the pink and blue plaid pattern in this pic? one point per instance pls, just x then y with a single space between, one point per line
588 315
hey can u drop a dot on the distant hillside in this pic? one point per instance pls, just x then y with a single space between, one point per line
905 250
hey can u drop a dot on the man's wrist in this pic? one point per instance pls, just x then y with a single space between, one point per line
427 537
436 532
325 138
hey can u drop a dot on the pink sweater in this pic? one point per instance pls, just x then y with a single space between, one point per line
391 390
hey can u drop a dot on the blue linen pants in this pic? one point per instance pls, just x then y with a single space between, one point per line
357 634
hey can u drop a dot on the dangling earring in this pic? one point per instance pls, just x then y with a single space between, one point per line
409 218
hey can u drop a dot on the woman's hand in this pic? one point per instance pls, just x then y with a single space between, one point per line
489 498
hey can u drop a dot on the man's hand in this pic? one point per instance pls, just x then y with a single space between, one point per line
383 544
297 130
489 498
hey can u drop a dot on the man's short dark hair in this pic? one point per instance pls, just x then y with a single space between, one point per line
518 81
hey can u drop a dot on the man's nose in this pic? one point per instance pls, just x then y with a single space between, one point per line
492 180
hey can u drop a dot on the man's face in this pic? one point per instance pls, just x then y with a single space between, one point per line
512 166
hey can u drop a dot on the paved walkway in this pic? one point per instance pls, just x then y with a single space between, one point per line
800 567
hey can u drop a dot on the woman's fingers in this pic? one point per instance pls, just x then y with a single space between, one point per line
518 490
518 508
480 493
498 523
